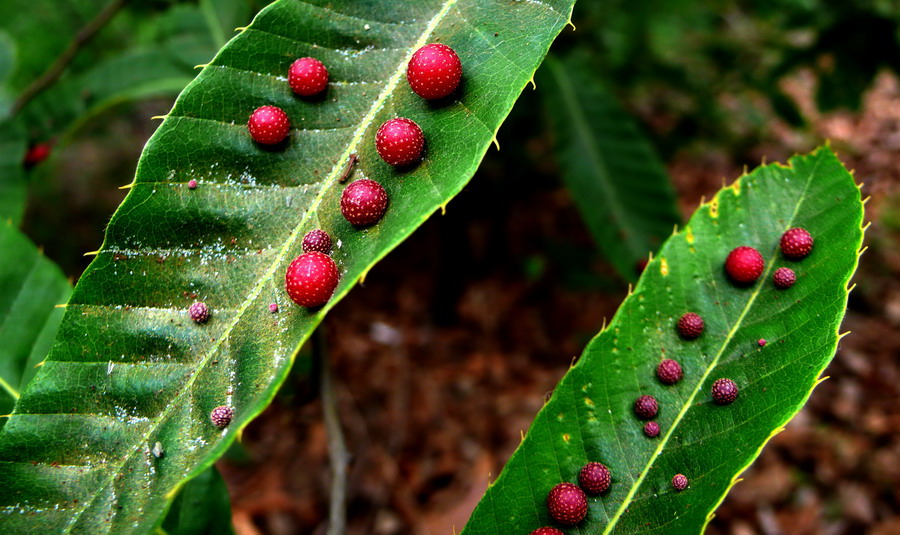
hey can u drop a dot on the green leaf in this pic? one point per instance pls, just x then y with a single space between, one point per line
617 181
129 368
13 187
30 287
590 415
202 507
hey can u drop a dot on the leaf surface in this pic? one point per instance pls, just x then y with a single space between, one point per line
617 181
590 415
30 287
129 367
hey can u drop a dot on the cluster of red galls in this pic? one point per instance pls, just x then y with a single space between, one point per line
567 503
433 72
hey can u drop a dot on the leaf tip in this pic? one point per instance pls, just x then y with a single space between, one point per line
61 305
159 117
92 253
570 23
495 142
127 186
241 28
201 66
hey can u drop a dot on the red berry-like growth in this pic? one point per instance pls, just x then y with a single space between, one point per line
744 265
268 125
311 279
594 478
645 407
547 531
434 71
651 429
796 243
784 278
308 76
364 202
316 240
199 312
567 504
724 391
400 142
761 342
669 371
679 482
36 154
690 326
221 416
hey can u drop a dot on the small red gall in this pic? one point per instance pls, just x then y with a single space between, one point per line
199 312
316 240
651 429
761 342
268 125
744 265
796 243
690 326
645 407
273 308
221 416
434 71
400 142
547 531
567 504
36 154
311 279
192 183
724 391
679 482
364 202
669 371
784 278
308 77
594 478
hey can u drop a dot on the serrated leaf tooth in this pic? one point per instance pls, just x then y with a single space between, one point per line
861 251
201 66
821 380
159 117
866 200
127 186
843 334
866 226
569 22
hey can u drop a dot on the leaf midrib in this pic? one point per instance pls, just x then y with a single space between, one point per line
392 83
690 401
597 161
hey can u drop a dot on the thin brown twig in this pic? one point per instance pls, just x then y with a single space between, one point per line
338 455
55 71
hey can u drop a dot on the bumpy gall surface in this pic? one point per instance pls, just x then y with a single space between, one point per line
784 278
724 391
796 243
679 482
651 429
690 326
268 125
199 312
547 531
761 342
308 76
192 184
316 240
400 142
273 308
311 279
645 407
744 265
594 478
567 504
434 71
669 371
364 202
221 416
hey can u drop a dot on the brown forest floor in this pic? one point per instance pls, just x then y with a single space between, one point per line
447 352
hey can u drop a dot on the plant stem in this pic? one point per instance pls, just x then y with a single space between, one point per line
337 447
55 71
